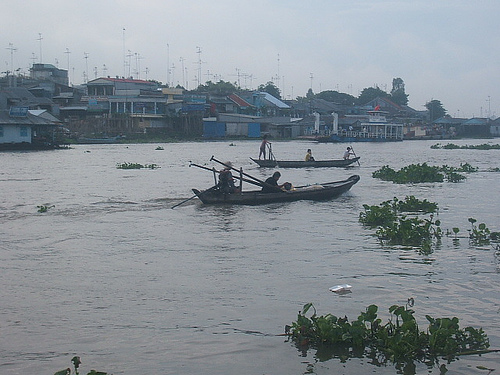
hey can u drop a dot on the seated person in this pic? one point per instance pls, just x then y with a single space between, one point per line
271 184
309 156
226 181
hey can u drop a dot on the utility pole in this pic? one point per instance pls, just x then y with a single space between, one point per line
86 57
199 65
124 56
68 53
181 59
12 50
40 40
168 65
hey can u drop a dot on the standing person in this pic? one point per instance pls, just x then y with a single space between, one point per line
271 184
348 153
263 146
309 156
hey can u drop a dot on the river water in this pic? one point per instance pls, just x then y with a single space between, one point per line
114 275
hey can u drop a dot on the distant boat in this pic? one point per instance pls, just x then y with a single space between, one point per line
272 163
377 129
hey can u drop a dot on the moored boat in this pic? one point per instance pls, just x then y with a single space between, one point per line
323 191
272 163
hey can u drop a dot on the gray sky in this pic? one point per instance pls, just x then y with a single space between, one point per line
447 50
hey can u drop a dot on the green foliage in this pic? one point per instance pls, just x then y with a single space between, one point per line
370 93
411 231
478 234
420 173
436 109
270 88
398 341
451 146
375 216
136 166
337 97
44 208
394 228
219 88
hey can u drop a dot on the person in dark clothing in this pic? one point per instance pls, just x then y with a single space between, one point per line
226 180
271 184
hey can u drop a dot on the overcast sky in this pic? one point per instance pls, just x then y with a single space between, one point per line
447 50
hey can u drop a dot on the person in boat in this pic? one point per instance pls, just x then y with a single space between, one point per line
348 153
226 180
263 146
309 156
271 184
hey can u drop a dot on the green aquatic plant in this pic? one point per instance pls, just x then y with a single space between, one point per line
478 234
44 208
159 148
420 173
396 228
136 166
76 361
412 204
413 173
452 146
398 341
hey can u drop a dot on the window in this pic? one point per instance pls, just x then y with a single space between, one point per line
23 131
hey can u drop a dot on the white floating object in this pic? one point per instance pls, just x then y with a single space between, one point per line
344 288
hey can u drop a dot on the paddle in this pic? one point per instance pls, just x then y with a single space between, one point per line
355 155
184 201
194 196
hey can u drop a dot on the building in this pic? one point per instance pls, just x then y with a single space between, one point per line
22 128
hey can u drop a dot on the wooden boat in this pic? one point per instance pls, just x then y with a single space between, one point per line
324 191
272 163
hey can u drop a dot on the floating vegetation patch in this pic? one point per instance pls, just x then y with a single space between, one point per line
420 173
44 208
395 227
451 146
159 148
76 365
399 341
136 166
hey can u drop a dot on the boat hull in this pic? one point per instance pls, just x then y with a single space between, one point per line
324 191
305 164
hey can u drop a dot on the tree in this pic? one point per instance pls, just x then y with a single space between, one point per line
219 88
337 97
398 94
270 88
436 109
370 93
310 94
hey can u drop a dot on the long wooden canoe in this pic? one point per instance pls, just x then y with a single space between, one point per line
324 191
305 164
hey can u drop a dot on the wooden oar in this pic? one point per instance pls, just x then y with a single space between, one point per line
355 155
237 177
260 183
194 196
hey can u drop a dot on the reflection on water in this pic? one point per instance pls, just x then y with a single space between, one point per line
116 276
